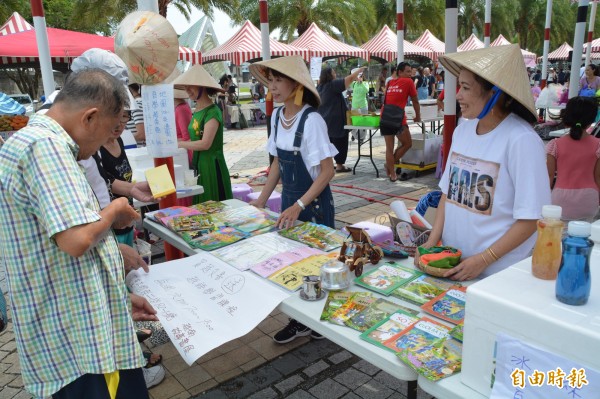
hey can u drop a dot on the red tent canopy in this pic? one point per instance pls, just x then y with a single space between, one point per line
561 53
246 45
384 46
18 44
595 45
321 45
472 43
16 23
429 41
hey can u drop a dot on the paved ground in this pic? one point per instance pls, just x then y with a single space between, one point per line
253 365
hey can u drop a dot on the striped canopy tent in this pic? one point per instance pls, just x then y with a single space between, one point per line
529 57
595 46
16 23
384 46
246 46
472 43
561 53
319 44
18 45
429 41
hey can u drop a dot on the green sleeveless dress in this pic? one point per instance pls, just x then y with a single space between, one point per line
213 174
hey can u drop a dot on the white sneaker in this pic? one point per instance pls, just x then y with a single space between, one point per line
153 375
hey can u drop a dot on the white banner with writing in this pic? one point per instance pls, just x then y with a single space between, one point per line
202 302
524 371
315 67
159 120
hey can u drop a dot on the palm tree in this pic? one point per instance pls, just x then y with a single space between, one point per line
353 19
114 11
418 16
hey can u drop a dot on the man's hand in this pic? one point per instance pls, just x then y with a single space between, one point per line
124 214
141 310
141 192
132 259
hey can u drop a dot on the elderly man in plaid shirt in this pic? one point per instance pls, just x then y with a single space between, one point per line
70 306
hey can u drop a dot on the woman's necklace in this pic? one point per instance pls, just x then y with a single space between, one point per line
288 123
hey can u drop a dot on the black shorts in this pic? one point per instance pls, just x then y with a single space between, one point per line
93 386
386 131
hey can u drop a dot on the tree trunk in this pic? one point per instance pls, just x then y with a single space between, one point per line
162 7
25 82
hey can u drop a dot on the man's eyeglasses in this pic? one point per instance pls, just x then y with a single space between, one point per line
125 116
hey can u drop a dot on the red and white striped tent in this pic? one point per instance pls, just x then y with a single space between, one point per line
429 41
595 46
561 53
319 44
64 44
472 43
16 23
384 46
528 57
246 45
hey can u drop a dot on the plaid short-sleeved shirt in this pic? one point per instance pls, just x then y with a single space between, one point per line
70 315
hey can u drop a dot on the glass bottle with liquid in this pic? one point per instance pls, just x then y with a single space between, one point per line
547 251
573 282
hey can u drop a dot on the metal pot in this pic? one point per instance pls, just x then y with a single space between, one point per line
335 275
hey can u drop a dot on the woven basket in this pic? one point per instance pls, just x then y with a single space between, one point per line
421 238
432 271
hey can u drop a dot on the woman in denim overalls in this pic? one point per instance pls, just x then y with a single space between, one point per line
303 155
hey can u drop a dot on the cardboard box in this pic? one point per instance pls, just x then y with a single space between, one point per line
524 307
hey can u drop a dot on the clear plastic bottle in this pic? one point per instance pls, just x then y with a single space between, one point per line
547 251
574 282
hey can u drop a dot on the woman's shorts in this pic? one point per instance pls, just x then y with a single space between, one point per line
386 131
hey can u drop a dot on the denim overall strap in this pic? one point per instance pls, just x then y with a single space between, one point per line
297 180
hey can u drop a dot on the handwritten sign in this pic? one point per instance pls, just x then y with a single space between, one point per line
202 302
159 120
315 67
524 371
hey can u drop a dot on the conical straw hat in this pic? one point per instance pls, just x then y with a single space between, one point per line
292 67
148 44
502 66
197 76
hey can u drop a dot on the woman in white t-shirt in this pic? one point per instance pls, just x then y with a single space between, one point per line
495 180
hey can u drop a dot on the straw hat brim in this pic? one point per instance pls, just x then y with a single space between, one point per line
502 66
293 67
197 76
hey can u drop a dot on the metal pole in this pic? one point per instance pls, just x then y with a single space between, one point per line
546 44
449 79
400 29
487 31
590 37
578 47
263 9
41 37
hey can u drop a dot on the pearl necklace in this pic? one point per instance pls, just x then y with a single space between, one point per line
288 123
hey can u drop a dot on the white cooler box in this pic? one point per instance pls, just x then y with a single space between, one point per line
524 307
425 149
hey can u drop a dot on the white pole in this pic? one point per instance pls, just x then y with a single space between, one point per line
41 38
546 43
588 51
400 29
578 47
488 23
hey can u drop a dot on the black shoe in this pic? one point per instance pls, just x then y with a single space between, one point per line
291 332
316 335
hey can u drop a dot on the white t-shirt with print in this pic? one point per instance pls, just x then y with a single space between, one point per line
490 181
315 145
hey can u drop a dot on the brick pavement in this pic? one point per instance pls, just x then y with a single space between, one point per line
253 365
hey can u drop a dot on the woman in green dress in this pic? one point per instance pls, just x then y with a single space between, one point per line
206 135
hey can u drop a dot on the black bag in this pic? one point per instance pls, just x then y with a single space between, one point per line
391 117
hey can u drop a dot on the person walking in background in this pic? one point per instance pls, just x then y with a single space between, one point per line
60 255
206 135
398 92
333 109
495 180
136 124
302 155
429 80
381 81
183 117
574 160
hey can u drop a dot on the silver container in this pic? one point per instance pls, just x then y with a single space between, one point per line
335 275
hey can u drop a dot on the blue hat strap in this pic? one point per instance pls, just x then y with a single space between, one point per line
491 102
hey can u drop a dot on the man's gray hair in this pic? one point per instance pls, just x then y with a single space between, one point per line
96 88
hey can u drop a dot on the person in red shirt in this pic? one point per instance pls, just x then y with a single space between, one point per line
397 93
